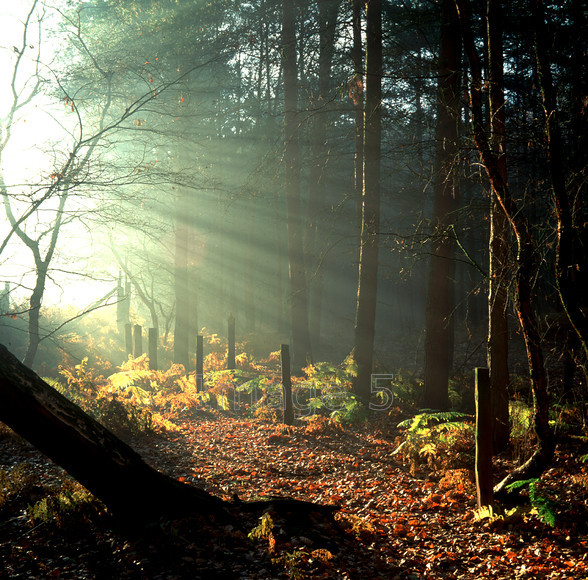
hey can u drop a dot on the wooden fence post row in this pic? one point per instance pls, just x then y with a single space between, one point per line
134 337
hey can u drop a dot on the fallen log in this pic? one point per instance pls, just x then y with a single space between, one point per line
90 453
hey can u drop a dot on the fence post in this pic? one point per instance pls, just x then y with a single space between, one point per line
153 336
288 408
129 339
199 363
137 341
483 437
231 340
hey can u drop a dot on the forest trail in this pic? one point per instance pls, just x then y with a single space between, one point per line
397 524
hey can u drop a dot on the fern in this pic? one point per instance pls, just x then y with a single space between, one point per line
55 384
427 417
541 504
252 385
139 396
436 437
264 530
121 381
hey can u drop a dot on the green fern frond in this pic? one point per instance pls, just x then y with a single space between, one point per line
521 483
54 383
429 449
427 419
542 506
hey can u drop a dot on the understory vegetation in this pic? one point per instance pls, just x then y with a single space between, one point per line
401 478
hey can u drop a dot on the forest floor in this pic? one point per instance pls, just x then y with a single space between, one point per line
393 522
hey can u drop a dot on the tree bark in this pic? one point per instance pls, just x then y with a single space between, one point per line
90 453
367 288
498 244
327 12
439 338
301 349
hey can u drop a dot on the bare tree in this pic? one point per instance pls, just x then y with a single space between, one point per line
83 161
567 253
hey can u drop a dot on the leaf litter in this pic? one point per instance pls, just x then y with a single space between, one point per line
391 523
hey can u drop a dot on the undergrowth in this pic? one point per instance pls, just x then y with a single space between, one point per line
70 505
439 440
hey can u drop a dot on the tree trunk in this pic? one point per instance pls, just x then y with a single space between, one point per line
34 315
367 287
524 268
301 349
89 452
327 10
41 265
498 246
440 297
567 267
181 279
356 94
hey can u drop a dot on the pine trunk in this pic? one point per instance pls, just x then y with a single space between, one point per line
367 289
440 297
301 350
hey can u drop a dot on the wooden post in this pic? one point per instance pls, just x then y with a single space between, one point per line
199 363
129 339
483 437
153 336
231 353
137 341
287 385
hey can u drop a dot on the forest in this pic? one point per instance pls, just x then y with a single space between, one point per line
293 289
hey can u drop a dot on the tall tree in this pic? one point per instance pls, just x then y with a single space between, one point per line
301 346
327 21
568 269
41 239
498 246
524 266
181 282
356 94
440 296
367 287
